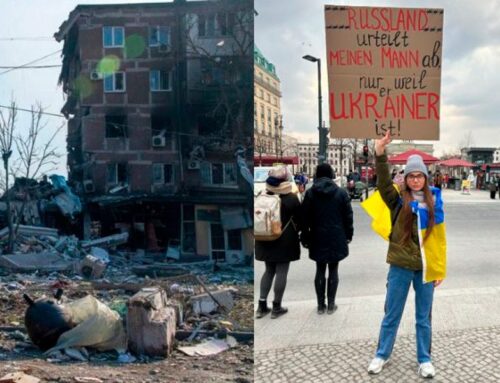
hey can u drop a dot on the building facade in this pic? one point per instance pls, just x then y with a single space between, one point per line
339 157
158 106
268 124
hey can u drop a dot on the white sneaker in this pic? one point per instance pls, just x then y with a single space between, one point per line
426 370
376 365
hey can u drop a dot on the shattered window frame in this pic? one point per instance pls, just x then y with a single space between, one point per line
228 173
188 229
117 128
117 173
160 80
163 174
234 237
113 37
159 35
110 82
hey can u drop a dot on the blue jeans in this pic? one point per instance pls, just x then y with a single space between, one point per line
398 285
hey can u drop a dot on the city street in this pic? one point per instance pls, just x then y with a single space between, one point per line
302 346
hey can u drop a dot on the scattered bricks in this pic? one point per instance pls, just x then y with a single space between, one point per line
19 377
204 303
150 323
91 267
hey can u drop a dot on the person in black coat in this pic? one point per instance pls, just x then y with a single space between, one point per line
327 230
278 254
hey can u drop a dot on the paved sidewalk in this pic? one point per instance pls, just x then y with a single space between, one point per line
460 356
302 346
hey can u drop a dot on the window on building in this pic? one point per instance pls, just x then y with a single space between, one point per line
113 37
216 24
218 173
116 126
188 229
114 82
234 241
160 80
206 25
117 174
163 174
159 36
225 21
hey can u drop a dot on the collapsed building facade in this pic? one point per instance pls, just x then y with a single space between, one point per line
159 108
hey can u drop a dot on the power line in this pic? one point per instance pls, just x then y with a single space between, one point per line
31 67
31 62
40 38
29 110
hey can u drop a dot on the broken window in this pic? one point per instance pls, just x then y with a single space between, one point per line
234 240
160 80
188 229
217 242
114 82
117 174
161 131
218 173
113 37
207 125
159 36
163 174
116 126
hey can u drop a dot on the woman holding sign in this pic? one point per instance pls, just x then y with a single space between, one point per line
416 254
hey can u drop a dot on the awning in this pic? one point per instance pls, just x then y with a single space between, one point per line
400 159
271 160
456 163
235 218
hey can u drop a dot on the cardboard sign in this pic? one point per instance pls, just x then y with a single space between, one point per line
384 71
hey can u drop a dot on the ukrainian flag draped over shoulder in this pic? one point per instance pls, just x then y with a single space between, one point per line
433 249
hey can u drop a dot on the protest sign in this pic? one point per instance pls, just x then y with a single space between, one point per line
384 71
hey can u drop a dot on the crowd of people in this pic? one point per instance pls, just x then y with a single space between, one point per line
323 224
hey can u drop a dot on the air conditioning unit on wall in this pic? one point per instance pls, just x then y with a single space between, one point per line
193 165
158 142
96 75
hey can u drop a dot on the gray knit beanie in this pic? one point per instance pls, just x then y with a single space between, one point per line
415 163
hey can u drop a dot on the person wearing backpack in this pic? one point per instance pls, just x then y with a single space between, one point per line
281 246
327 230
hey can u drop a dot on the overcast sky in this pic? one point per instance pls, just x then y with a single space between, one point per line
26 34
285 31
470 78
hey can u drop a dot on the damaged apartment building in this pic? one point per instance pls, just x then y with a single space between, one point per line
159 108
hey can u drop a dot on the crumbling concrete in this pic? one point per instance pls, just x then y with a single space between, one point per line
109 241
151 324
91 267
46 261
205 304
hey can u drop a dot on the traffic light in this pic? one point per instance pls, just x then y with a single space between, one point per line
488 168
365 151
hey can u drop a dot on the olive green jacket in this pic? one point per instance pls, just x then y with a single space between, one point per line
408 255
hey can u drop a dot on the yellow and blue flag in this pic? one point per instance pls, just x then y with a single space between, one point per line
433 248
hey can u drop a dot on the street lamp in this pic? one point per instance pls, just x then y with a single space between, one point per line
321 130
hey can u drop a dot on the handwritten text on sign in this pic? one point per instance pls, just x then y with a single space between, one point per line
384 71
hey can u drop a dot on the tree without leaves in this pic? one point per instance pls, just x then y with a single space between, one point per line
7 127
34 155
232 57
